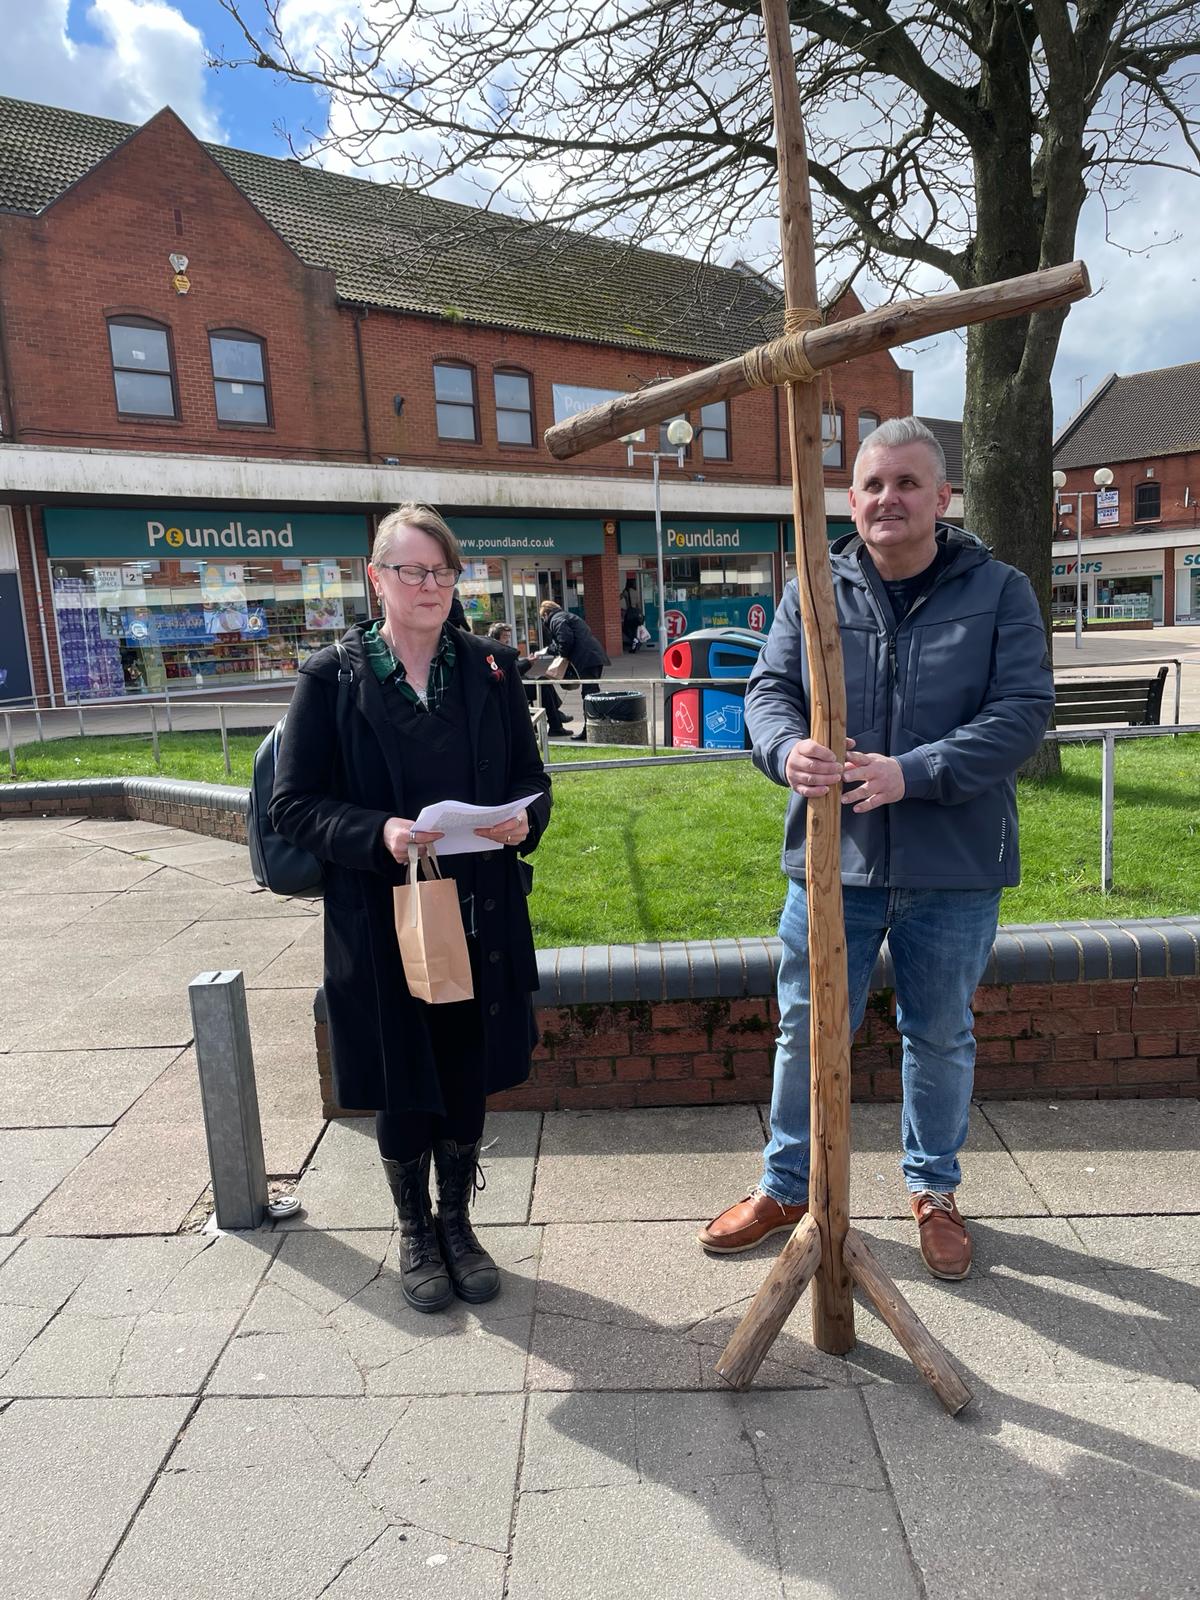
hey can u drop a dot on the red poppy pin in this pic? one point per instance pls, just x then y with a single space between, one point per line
497 672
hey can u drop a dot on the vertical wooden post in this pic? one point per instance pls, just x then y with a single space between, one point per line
829 1032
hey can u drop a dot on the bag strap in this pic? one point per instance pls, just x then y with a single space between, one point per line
424 866
345 678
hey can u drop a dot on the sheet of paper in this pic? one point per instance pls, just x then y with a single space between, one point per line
457 820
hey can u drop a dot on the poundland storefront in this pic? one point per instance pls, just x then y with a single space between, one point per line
152 600
716 574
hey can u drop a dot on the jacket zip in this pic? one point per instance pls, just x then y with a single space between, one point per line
891 629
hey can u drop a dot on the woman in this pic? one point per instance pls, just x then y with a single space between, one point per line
569 635
551 699
428 713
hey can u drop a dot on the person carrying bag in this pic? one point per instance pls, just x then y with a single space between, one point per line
434 714
570 640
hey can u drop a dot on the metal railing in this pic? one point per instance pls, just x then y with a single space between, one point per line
214 714
1106 737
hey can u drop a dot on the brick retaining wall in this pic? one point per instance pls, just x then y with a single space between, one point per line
206 808
1069 1010
1063 1040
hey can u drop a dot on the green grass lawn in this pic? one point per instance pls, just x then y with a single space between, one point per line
693 851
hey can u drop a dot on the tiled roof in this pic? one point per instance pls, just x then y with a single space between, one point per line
389 246
948 434
1135 418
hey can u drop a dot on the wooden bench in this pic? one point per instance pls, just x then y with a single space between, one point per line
1136 702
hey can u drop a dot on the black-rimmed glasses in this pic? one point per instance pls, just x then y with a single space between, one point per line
414 576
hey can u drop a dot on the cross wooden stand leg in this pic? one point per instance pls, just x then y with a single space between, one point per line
824 1249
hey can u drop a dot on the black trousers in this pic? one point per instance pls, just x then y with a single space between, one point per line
456 1032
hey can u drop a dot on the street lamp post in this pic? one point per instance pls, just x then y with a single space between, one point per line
679 433
1102 478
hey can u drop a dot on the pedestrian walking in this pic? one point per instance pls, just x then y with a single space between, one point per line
433 714
568 635
948 691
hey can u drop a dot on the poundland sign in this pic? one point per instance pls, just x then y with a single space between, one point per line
700 538
135 531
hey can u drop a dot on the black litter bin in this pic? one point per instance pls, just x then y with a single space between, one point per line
616 716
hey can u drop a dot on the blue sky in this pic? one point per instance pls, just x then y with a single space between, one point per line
127 58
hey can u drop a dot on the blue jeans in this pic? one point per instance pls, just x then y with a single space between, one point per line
940 940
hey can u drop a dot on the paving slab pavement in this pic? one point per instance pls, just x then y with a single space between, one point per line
343 1185
90 1086
1048 1489
72 1474
197 1415
33 1162
1105 1157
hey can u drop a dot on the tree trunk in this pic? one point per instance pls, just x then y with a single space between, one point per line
1007 466
1008 419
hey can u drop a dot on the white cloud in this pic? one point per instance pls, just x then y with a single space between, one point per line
151 56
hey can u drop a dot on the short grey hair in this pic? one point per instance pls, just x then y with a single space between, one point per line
898 431
426 520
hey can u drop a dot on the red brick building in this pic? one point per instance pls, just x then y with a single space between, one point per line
217 368
1141 533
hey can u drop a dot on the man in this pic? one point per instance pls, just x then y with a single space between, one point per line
948 690
569 635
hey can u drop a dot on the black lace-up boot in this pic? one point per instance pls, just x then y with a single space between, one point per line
424 1281
475 1276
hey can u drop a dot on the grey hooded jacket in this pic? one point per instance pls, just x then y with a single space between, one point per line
959 692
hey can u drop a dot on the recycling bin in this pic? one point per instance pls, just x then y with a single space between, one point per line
709 716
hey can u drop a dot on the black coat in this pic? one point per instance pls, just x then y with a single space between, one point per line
569 635
333 795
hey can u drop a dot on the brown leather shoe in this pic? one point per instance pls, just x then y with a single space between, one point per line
748 1223
945 1242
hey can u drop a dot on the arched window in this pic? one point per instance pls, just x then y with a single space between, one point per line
833 430
239 365
513 389
454 399
868 421
143 367
1147 502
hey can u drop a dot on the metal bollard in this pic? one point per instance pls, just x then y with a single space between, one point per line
230 1098
12 754
37 717
167 698
79 709
154 736
224 740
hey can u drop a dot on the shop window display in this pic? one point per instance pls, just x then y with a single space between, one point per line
721 591
130 627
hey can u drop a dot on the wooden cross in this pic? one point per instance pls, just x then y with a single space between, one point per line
824 1248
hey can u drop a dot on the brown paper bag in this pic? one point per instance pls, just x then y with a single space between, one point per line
558 668
429 927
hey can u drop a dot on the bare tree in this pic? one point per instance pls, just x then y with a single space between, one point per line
953 141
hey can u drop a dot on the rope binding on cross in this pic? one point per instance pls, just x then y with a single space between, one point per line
790 348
